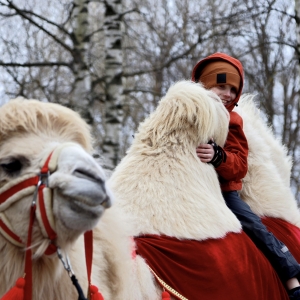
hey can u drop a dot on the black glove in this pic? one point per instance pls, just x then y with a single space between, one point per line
220 155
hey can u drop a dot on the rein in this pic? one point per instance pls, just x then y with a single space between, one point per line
41 209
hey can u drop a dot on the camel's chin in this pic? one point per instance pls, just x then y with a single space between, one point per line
79 216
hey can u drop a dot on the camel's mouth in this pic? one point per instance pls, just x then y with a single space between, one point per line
87 206
77 214
81 192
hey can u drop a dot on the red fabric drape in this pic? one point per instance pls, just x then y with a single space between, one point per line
285 232
231 268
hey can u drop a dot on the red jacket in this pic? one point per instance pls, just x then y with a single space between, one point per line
235 168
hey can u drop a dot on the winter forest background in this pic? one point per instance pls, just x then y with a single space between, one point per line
113 60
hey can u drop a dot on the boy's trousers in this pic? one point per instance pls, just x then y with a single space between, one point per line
275 251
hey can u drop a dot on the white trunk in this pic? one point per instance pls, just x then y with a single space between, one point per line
82 82
113 81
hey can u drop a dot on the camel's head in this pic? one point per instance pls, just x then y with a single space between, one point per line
76 196
187 116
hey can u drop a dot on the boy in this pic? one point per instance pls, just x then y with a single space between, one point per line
223 75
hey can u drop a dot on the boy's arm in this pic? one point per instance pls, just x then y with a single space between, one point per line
231 161
235 166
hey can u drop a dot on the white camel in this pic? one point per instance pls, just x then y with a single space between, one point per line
187 241
75 197
174 200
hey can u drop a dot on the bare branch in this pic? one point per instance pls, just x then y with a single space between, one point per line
34 64
23 14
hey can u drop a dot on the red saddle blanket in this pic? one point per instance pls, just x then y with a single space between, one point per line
231 268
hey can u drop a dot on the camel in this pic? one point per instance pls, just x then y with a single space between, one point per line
52 140
193 244
186 243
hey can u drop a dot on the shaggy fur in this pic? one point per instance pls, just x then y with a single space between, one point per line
55 120
266 187
164 188
161 184
29 130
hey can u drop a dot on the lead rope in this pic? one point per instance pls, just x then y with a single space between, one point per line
67 265
93 292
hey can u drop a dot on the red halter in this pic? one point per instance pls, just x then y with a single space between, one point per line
42 197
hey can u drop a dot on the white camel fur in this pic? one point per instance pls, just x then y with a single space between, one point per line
187 116
266 187
29 131
165 189
161 184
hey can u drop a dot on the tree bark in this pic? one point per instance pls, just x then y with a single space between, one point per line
113 81
297 19
82 81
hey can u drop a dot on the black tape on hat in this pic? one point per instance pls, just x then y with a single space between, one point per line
221 78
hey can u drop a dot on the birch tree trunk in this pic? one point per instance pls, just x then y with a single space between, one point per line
297 13
113 82
82 81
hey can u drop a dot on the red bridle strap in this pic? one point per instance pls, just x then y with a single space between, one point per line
5 226
42 193
18 187
93 293
6 195
28 255
28 258
42 213
88 244
9 233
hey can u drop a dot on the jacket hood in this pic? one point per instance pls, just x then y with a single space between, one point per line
220 56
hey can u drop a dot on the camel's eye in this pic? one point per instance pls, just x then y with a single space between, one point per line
13 166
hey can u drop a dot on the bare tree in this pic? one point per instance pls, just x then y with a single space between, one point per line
268 50
162 41
55 62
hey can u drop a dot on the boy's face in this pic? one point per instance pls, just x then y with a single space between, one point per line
226 92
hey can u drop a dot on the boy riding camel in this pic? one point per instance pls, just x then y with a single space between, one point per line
223 75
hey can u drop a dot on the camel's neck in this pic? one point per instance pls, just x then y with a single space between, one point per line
172 196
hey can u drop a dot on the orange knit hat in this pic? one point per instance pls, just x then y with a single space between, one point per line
220 72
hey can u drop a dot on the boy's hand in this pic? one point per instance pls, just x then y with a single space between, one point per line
205 152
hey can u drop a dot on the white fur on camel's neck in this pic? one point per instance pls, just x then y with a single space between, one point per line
161 183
